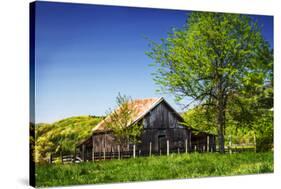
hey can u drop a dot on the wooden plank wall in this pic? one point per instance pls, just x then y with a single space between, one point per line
160 121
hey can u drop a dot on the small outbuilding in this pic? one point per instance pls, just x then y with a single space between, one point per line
163 133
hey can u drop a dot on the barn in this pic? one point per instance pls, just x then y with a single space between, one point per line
162 133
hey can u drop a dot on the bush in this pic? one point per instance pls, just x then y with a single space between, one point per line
264 144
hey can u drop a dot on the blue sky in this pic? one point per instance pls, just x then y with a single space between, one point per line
86 54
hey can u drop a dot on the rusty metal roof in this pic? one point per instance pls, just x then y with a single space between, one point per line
141 107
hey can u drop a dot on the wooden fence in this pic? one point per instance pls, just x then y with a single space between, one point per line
119 154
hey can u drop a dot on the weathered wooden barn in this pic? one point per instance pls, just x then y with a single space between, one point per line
163 133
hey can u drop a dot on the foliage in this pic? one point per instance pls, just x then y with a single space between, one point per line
32 141
255 117
120 121
62 136
218 60
259 130
201 119
154 168
264 132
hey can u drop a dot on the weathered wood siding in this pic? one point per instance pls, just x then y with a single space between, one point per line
161 117
106 142
160 125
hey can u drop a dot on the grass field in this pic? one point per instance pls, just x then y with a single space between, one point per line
154 168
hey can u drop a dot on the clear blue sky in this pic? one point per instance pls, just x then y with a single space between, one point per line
86 54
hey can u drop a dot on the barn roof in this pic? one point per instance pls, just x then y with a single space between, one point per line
141 106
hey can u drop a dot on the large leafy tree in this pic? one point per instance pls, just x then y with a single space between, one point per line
213 60
200 118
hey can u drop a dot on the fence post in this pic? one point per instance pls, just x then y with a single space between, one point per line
50 160
195 148
255 142
168 148
215 144
150 145
211 143
93 149
74 155
118 148
214 148
83 152
93 153
186 146
134 151
178 150
190 141
61 156
103 153
208 143
230 143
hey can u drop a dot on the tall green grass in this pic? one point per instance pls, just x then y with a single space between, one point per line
154 168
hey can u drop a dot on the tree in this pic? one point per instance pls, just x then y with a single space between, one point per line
199 118
264 131
120 121
213 60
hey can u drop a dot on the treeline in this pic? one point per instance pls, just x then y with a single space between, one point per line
256 129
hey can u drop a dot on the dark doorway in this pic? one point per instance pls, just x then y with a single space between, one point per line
162 144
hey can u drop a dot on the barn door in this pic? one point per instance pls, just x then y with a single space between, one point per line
162 144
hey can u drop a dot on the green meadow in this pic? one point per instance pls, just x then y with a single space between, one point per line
175 166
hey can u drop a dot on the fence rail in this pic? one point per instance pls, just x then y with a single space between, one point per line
98 156
198 146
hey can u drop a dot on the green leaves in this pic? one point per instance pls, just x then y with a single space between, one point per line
200 119
120 122
211 48
216 57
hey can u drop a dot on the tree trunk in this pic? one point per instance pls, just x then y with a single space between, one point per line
221 124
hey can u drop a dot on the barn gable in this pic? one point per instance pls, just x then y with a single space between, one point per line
151 111
162 116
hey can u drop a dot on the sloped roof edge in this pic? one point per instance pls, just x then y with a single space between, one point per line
152 106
